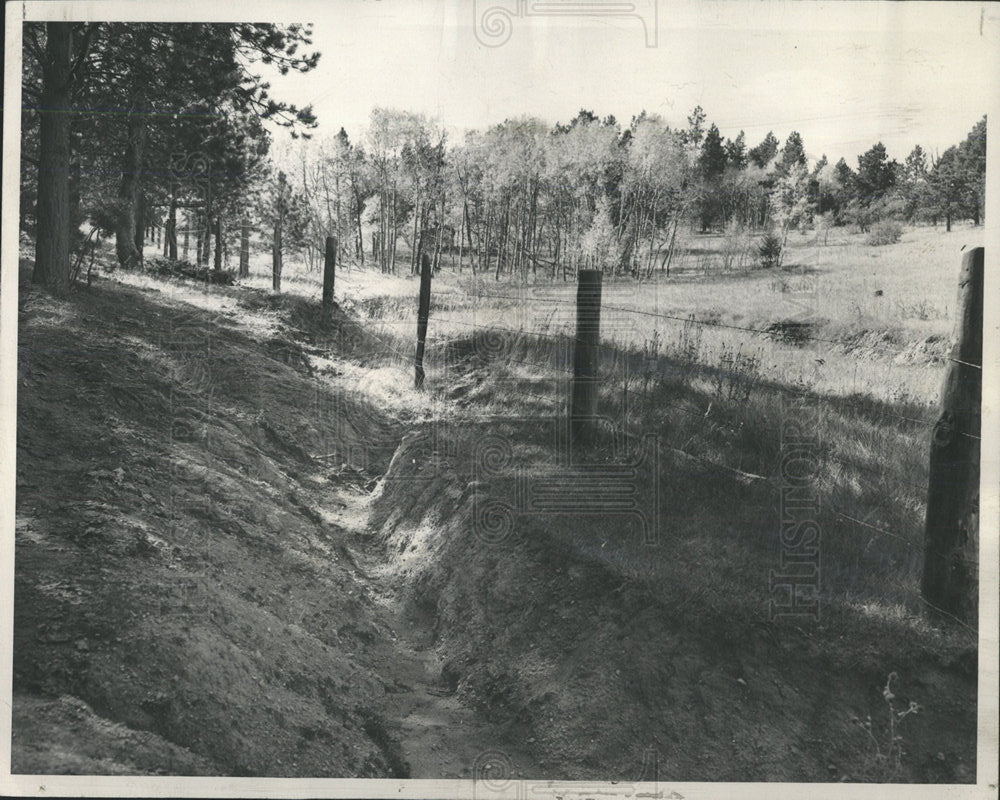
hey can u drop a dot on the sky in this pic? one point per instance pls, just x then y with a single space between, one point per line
843 74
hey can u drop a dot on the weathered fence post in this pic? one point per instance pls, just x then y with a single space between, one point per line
951 541
329 272
583 398
245 249
218 244
423 311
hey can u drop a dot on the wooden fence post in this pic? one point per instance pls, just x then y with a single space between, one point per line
329 272
245 249
423 311
950 580
583 399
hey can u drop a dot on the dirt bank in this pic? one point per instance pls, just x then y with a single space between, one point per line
599 649
189 597
206 585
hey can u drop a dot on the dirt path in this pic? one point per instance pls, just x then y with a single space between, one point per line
438 735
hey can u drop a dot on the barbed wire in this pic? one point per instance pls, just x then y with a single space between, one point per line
705 323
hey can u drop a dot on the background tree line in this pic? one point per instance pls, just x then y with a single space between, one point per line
125 123
523 196
136 126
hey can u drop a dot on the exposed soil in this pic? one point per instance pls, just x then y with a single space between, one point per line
188 593
231 560
555 628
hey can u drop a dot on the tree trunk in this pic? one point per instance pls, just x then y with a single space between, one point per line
140 222
130 256
171 232
245 250
468 233
276 257
329 276
53 231
357 216
437 249
414 255
395 234
206 239
461 241
218 244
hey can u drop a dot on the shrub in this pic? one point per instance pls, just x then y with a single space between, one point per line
769 250
885 232
738 374
183 269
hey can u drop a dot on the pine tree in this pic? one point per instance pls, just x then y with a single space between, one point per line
712 159
793 154
696 127
171 78
736 152
60 65
762 154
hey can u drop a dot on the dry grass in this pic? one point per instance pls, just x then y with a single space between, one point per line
876 315
855 358
720 400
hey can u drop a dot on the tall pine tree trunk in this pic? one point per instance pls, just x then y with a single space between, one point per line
276 256
245 249
171 232
53 230
129 256
218 244
140 221
357 218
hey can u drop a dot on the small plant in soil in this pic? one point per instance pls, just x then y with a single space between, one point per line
884 759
